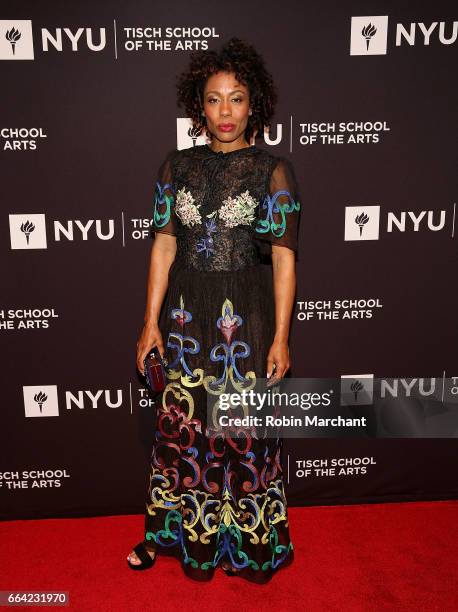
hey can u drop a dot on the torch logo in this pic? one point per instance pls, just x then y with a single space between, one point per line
41 401
368 32
12 36
356 389
369 35
187 135
16 39
194 134
362 222
27 228
28 231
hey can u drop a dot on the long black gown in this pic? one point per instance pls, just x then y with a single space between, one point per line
212 497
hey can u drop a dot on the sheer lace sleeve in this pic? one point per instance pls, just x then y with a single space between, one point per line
278 213
164 220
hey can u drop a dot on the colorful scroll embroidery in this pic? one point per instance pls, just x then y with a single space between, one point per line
270 223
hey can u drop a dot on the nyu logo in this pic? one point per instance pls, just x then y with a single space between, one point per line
414 387
188 136
16 39
363 222
369 35
42 400
28 231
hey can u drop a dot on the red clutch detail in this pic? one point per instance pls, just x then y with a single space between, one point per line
155 371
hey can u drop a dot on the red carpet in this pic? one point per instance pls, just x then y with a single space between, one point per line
368 557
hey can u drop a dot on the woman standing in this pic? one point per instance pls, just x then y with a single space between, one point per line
219 209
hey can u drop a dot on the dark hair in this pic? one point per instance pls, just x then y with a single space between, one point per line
235 56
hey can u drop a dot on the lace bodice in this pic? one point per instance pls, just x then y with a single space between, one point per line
226 209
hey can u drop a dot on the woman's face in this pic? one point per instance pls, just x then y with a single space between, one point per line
226 105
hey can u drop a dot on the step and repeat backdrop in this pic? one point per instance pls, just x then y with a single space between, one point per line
366 115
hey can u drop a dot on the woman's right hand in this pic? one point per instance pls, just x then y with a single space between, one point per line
150 336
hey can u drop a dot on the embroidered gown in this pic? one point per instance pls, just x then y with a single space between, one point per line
213 498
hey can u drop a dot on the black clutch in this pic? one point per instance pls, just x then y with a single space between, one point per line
155 370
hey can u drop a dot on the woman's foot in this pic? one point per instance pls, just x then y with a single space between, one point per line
228 567
132 557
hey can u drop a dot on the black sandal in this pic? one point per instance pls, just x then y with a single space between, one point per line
142 553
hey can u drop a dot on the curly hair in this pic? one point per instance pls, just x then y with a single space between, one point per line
235 56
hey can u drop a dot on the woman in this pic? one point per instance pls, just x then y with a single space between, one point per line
220 208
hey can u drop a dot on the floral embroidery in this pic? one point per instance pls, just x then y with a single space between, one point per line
229 352
185 208
183 345
238 210
234 211
206 244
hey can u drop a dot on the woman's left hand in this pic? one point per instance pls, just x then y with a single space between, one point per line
278 355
